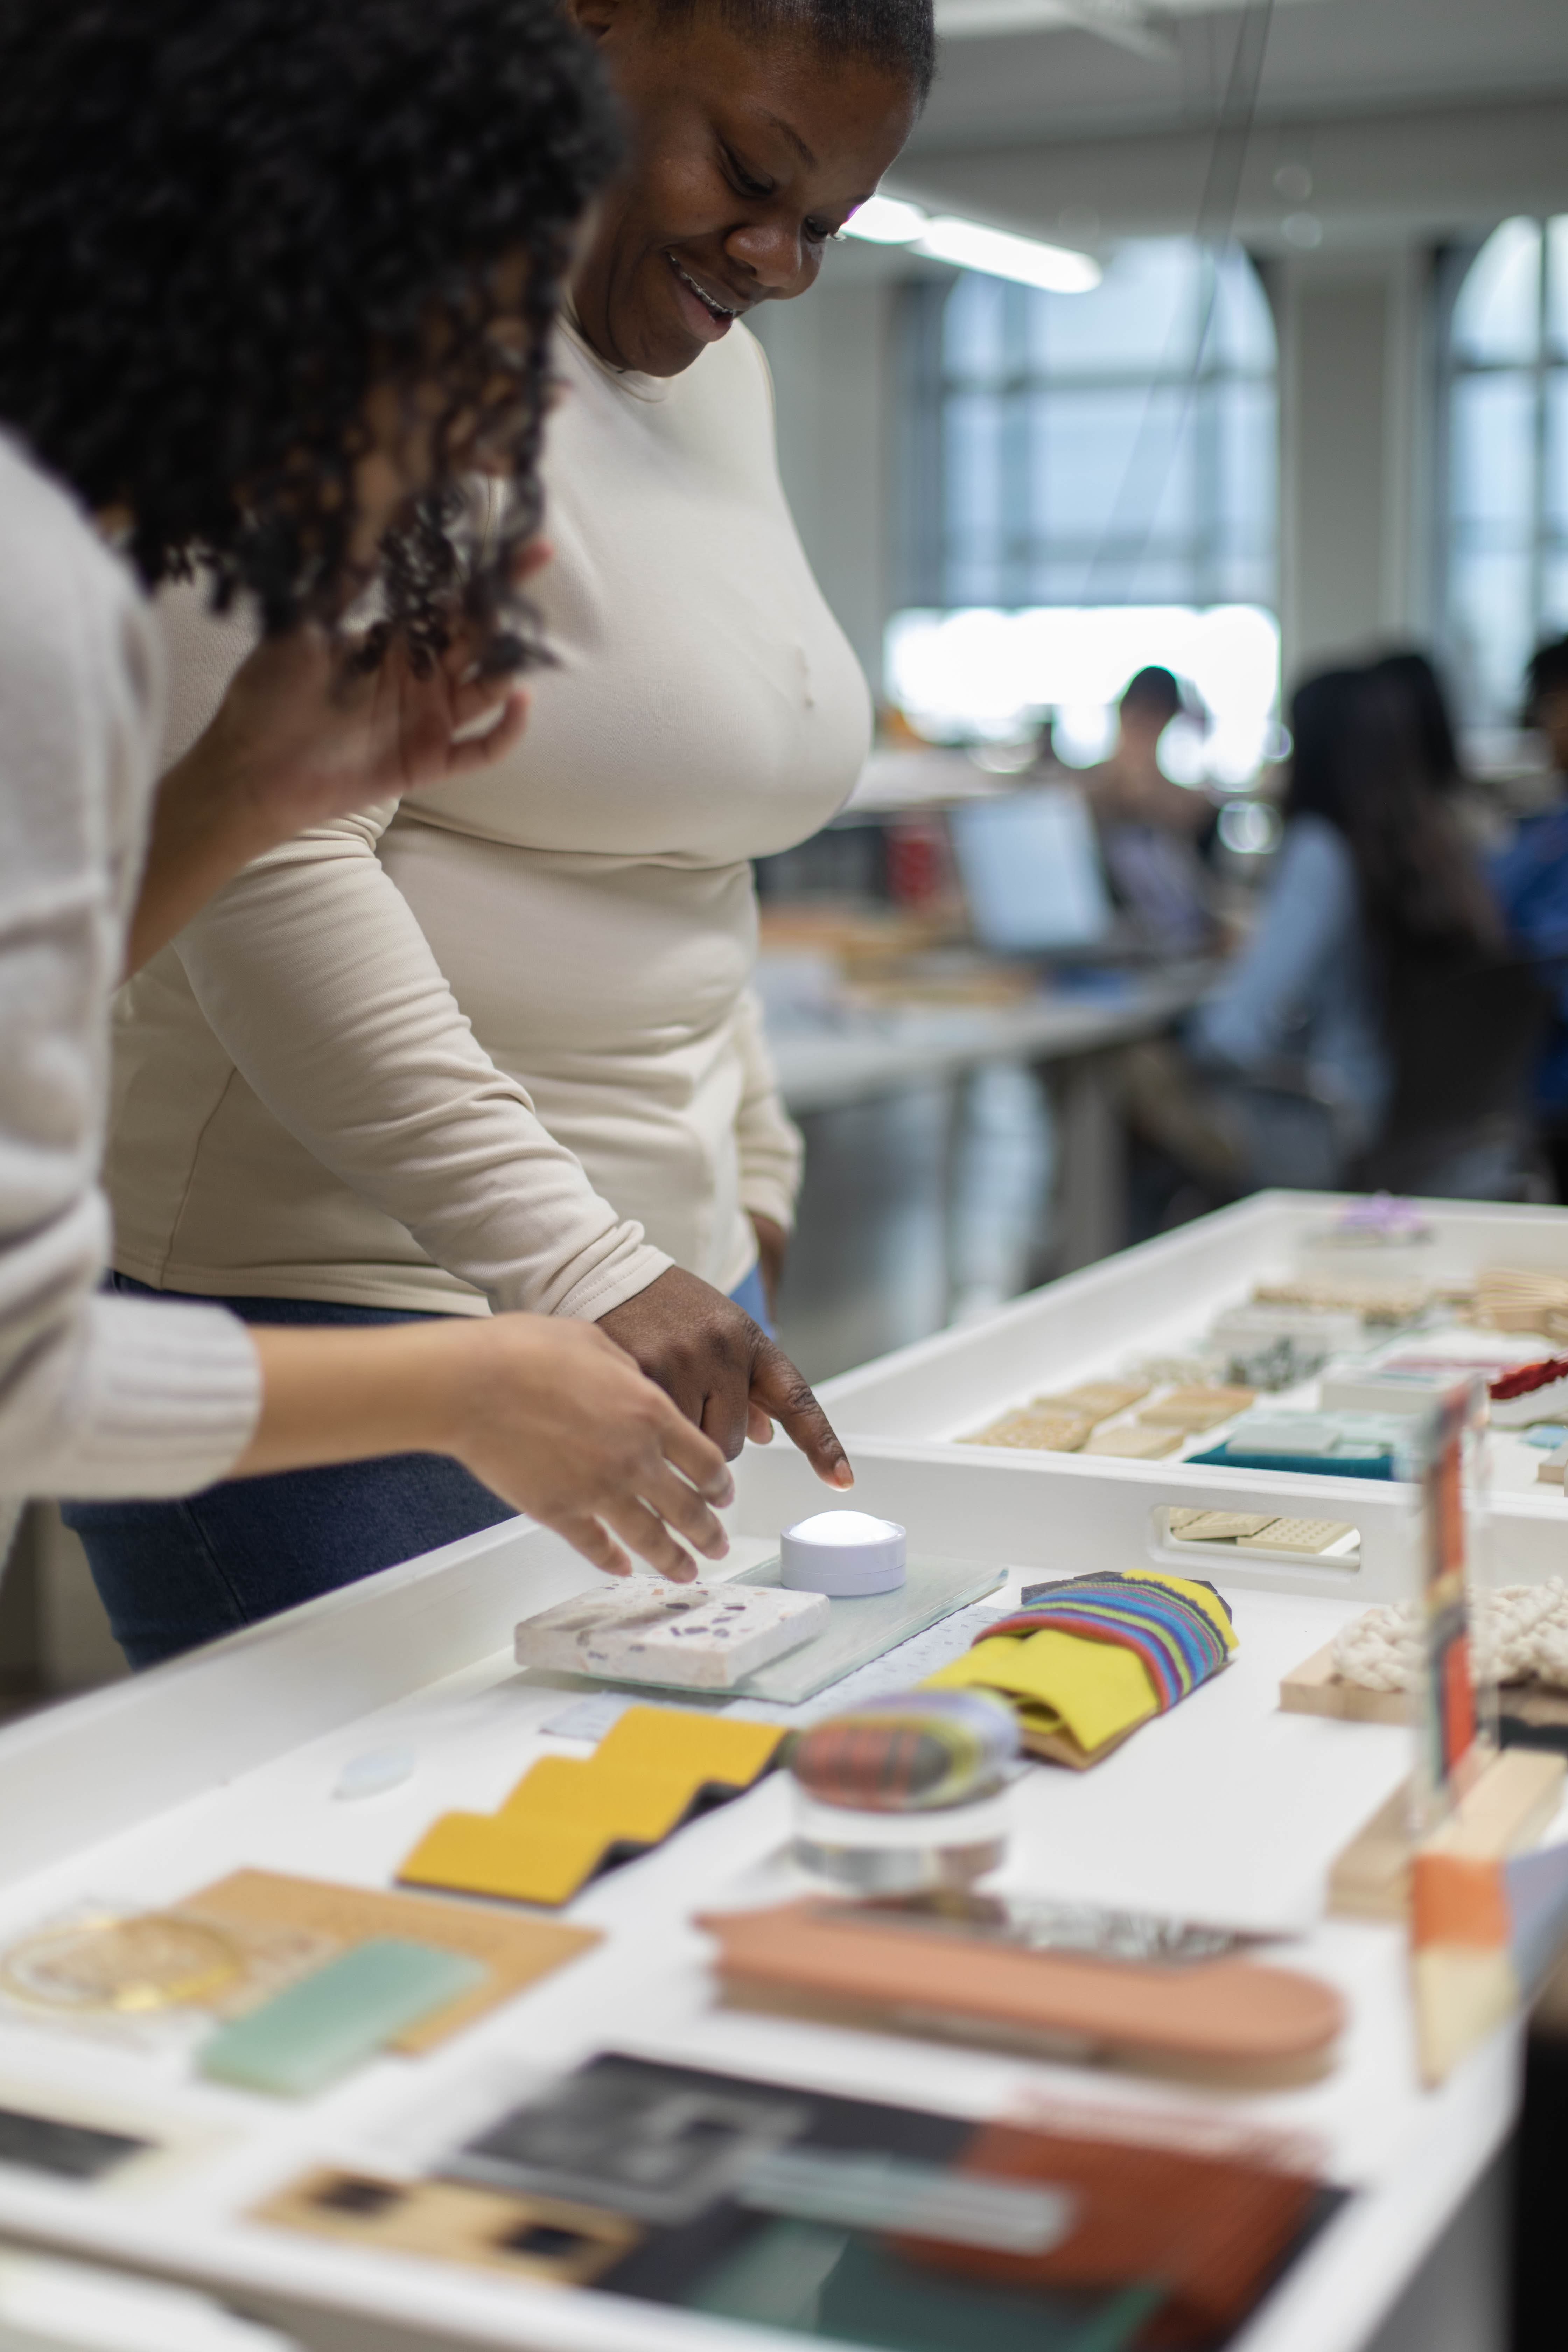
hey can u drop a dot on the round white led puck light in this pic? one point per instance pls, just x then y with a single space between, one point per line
844 1554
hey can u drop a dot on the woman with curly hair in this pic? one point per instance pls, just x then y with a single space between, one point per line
304 1110
276 277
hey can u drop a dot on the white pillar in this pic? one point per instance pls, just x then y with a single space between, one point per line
1355 431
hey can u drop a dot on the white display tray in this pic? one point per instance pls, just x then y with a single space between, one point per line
1226 1810
900 1417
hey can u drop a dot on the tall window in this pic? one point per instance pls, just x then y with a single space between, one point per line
1508 462
1106 454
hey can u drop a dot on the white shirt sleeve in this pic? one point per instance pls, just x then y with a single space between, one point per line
98 1396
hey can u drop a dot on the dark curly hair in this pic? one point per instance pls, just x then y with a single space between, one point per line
900 36
223 222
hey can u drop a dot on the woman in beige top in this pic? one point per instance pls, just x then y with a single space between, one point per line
194 158
496 1047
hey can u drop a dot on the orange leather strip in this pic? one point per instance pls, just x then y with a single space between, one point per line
1455 1900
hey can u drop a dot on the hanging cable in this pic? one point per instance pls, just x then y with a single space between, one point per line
1155 448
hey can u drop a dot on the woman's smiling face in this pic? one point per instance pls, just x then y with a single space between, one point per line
746 155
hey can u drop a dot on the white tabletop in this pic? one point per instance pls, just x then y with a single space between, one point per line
1225 1810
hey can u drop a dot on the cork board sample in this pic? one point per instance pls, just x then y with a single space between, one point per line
542 2240
517 1952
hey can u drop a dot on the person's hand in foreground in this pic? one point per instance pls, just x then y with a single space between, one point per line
304 736
549 1413
724 1371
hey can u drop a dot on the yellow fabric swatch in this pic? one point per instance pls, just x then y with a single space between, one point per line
568 1815
1097 1688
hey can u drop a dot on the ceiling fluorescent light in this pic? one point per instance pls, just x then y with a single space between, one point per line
1000 255
886 220
889 220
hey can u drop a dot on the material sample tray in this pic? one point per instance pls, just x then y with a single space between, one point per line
903 1419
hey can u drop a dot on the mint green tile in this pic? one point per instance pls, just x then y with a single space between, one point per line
307 2036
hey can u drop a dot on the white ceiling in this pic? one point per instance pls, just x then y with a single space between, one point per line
1065 80
1097 119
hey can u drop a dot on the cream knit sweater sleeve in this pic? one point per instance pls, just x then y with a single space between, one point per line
771 1149
314 974
98 1396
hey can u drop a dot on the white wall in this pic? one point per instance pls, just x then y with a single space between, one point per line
833 361
1357 487
1357 467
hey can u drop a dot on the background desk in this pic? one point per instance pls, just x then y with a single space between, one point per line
888 1100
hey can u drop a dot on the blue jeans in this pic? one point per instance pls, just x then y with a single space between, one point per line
175 1574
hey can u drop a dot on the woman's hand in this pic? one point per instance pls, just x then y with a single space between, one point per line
722 1370
303 737
561 1423
549 1413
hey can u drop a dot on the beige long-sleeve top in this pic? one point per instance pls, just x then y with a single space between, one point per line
495 1046
98 1396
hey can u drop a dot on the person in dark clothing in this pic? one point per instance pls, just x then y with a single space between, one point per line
1531 878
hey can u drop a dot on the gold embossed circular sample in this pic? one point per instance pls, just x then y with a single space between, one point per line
126 1966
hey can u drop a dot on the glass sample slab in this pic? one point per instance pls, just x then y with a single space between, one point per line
858 1632
862 1629
304 2039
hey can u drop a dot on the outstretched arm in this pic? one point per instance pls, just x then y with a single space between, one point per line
303 735
548 1413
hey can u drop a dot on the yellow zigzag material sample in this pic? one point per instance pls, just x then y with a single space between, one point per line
1097 1687
569 1817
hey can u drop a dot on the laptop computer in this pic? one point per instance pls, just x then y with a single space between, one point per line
1032 875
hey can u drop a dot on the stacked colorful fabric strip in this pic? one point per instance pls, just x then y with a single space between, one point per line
1086 1661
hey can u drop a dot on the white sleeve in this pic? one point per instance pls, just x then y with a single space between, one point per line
771 1150
314 974
98 1396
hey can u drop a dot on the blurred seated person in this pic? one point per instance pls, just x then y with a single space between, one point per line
1531 878
1294 1068
1150 828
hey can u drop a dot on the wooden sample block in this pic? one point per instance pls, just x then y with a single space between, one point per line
1196 1408
1030 1431
1094 1401
1514 1800
1309 1536
679 1636
516 1952
1216 1527
1554 1471
1134 1444
1315 1687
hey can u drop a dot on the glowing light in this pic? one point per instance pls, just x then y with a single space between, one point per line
983 674
886 220
969 244
999 254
